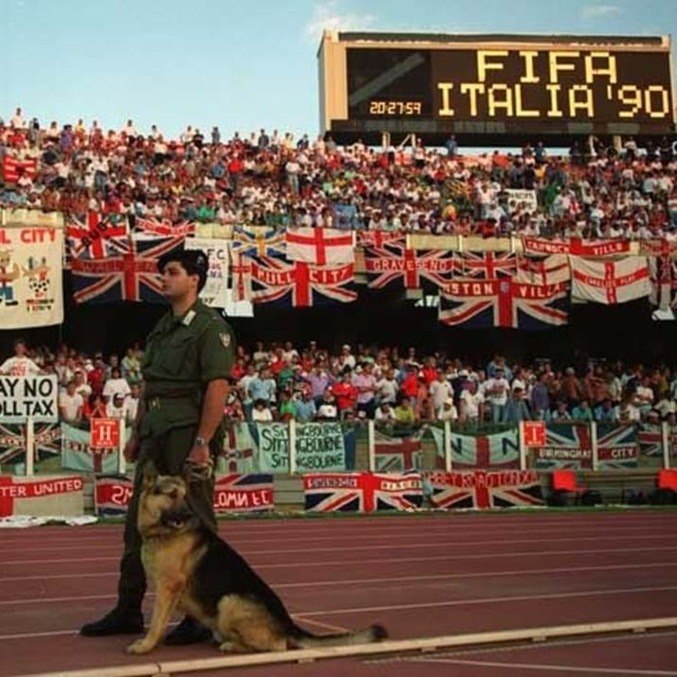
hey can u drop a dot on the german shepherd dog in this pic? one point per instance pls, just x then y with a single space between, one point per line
196 572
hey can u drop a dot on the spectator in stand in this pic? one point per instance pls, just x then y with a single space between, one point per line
471 402
328 409
131 367
346 360
605 412
305 408
496 391
540 399
115 385
385 413
387 387
440 390
561 413
516 408
644 396
261 412
20 364
404 412
82 387
365 382
571 388
71 405
286 409
318 380
345 393
94 407
116 406
96 376
627 412
447 412
262 386
582 412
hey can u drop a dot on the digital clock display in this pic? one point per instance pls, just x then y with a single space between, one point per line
585 84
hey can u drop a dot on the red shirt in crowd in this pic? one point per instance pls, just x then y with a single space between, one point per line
345 394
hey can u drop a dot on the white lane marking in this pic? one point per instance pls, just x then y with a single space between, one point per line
594 670
492 600
394 579
452 532
483 574
394 546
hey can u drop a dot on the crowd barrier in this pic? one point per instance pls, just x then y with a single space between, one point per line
291 448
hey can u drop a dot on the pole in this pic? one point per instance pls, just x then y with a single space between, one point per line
292 446
30 447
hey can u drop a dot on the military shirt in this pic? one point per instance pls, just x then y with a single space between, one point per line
183 354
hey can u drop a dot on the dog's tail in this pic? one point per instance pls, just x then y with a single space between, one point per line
302 639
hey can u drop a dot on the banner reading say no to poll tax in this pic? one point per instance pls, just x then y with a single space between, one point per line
24 397
31 291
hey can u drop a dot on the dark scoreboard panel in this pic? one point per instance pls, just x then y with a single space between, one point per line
525 86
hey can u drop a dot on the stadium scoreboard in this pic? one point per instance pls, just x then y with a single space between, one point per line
495 85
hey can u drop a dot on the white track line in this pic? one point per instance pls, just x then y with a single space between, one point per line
474 523
401 579
396 560
452 534
531 646
594 670
490 600
458 602
397 546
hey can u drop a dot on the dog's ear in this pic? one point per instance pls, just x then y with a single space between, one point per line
150 474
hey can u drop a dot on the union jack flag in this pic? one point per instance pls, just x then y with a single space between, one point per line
569 446
258 241
299 284
650 439
249 492
333 492
503 303
13 443
483 489
617 446
95 236
484 265
241 276
416 269
130 275
378 238
164 228
397 454
393 491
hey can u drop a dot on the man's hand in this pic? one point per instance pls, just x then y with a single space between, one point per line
199 454
131 450
199 464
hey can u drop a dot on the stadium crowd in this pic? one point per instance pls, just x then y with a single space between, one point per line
274 179
278 382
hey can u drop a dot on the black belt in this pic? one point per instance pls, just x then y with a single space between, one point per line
156 402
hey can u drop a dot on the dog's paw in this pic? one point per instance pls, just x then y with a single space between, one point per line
139 647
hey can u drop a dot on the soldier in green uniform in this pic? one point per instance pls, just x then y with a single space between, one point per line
187 362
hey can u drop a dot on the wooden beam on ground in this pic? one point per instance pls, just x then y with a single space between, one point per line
425 644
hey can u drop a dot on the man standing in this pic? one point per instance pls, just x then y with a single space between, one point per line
185 369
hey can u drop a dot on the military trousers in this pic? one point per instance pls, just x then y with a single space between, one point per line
168 452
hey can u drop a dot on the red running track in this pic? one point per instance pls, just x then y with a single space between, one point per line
418 575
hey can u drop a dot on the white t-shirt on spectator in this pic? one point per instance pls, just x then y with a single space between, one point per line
70 404
19 366
116 386
262 414
113 411
470 403
500 388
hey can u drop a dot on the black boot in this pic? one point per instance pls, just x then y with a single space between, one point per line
188 631
119 621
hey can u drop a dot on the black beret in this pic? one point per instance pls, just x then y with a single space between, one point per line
194 262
